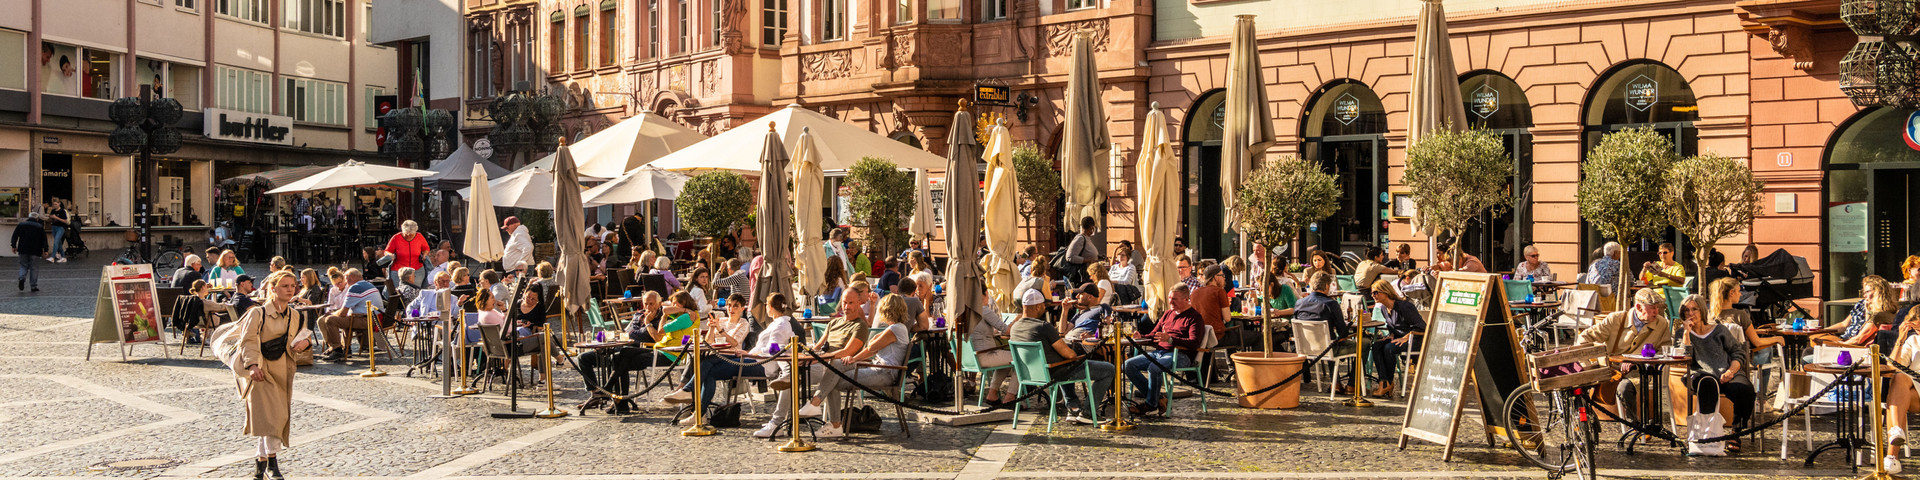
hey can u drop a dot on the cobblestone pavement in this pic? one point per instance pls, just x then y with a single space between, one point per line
68 417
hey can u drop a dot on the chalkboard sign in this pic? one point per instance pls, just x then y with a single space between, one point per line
1466 308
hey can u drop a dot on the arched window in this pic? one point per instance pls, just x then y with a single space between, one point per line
1872 189
1203 208
1641 94
1343 129
1497 104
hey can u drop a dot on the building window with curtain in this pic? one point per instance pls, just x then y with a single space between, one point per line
581 25
833 19
249 10
993 9
943 9
557 43
653 28
314 101
714 21
685 34
609 33
369 116
187 4
902 11
318 17
242 89
773 22
479 64
525 56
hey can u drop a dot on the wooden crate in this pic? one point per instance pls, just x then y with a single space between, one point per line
1566 355
1578 379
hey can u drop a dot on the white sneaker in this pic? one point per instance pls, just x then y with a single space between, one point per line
829 431
1896 436
767 430
809 410
1891 464
679 397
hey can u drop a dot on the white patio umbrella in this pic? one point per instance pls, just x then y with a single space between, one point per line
809 257
637 185
922 224
527 188
627 145
1159 207
1249 128
1084 139
1001 216
482 243
839 144
354 173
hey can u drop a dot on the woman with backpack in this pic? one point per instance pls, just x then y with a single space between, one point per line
262 346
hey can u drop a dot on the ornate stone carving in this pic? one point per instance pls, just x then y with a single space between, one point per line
1059 37
732 16
829 65
709 77
903 51
677 78
1794 42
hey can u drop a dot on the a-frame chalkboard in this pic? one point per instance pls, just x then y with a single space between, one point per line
1469 329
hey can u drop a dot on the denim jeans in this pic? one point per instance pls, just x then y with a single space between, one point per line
1145 376
59 246
30 270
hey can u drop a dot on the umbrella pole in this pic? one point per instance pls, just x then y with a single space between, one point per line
1266 314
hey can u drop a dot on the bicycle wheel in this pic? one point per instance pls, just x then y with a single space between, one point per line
1543 428
167 261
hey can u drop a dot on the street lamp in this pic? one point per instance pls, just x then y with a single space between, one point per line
526 122
1883 69
418 136
145 126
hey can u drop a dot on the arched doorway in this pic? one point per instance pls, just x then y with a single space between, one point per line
1497 104
1641 94
1872 181
1203 208
1343 128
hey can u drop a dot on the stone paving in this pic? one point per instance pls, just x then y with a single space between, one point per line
68 417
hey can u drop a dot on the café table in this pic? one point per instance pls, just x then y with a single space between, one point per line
1851 429
603 368
1652 375
424 353
1794 343
1537 312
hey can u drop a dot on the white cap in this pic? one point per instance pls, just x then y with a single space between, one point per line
1033 297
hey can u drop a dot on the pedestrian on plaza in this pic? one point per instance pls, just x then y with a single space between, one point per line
58 220
1081 251
406 249
519 249
265 372
29 243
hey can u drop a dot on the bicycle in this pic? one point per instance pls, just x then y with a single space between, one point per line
1551 421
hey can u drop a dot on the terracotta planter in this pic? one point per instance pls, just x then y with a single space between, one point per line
1257 370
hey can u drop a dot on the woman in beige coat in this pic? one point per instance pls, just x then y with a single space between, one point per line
266 377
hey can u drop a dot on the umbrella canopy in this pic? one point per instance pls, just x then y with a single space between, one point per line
350 174
771 226
809 256
922 224
1084 143
569 227
454 172
1249 127
1435 103
839 145
481 243
638 185
276 178
527 188
627 145
1159 207
963 223
1001 215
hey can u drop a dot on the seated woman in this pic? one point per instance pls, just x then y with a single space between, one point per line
1664 272
663 267
643 329
985 337
728 364
1902 398
1721 296
887 348
1719 367
1403 321
1875 309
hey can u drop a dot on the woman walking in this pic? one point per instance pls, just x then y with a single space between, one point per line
269 333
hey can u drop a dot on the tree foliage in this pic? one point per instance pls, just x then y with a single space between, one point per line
1709 198
711 203
1454 176
881 200
1620 189
1283 196
1039 182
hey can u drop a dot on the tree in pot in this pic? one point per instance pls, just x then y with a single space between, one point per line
1039 183
1709 198
1282 197
712 203
881 200
1620 190
1454 177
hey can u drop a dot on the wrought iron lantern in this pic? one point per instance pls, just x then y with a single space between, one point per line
1881 70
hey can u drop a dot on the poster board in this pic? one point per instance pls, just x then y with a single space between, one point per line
125 310
1468 329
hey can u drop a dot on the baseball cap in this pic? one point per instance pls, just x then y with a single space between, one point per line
1088 288
1033 297
243 278
509 222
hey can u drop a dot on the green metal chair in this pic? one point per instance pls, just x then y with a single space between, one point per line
1674 296
1030 368
1517 290
1345 283
970 363
1194 368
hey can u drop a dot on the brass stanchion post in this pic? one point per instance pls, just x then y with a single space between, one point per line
793 392
1880 447
461 355
1359 373
372 369
546 354
1118 422
699 427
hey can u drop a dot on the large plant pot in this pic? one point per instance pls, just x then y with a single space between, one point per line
1257 370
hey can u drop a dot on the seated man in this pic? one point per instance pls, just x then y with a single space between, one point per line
427 303
1060 355
361 296
190 271
1318 306
1625 332
1174 340
1084 332
242 296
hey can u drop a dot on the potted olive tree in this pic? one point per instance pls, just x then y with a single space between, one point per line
1709 198
1039 185
1282 197
711 204
1454 177
881 200
1620 190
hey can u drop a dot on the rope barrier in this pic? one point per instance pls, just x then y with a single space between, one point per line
602 390
1075 362
1283 382
1730 436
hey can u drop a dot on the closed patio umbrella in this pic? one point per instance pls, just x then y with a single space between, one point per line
569 233
1084 142
809 258
963 244
481 243
1000 214
1159 208
1435 101
922 224
1249 127
771 224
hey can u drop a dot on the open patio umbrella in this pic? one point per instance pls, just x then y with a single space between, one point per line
569 230
354 173
1249 127
627 145
809 257
1000 214
453 172
1159 207
481 243
771 224
922 224
1435 101
1084 143
839 145
637 185
526 188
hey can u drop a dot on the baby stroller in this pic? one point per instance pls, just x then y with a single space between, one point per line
1771 284
76 247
